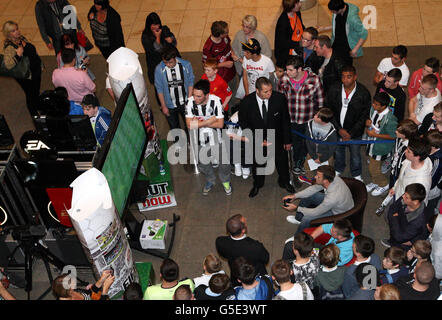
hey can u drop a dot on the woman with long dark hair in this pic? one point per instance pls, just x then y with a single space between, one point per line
82 59
15 48
106 27
154 38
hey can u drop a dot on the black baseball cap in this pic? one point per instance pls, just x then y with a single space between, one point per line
252 45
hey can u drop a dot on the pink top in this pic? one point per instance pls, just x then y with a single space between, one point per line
415 83
298 84
77 82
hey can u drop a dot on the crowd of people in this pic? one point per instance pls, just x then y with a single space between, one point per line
310 97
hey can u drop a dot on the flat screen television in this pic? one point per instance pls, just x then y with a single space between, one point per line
68 133
120 156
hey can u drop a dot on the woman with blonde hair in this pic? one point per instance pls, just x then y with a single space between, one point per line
15 48
248 31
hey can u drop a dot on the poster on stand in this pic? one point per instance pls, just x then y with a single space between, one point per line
160 192
100 231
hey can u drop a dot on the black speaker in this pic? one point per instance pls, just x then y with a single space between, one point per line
6 138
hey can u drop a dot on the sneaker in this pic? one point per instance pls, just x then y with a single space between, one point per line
238 171
227 188
386 243
293 220
208 186
359 178
245 173
380 210
371 186
298 171
378 191
305 180
337 173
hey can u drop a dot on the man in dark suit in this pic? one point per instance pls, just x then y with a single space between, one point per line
267 110
350 101
238 244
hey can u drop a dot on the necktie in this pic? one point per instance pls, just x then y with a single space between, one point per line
264 112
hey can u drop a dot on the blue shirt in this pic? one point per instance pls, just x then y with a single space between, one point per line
345 247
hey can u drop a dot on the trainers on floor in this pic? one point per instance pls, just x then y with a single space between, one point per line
245 173
378 191
305 180
227 188
359 178
386 243
371 186
297 171
238 169
207 187
293 220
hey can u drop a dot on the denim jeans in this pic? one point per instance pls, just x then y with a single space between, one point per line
310 202
355 159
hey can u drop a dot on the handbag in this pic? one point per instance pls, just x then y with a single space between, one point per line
84 41
22 69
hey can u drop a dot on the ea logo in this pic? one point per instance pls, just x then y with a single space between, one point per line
35 145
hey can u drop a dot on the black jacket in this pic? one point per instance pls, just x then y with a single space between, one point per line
278 116
314 62
153 57
332 71
48 23
114 29
283 39
397 97
358 108
252 250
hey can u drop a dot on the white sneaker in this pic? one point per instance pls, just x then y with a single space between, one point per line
378 191
359 178
238 169
245 173
293 220
371 186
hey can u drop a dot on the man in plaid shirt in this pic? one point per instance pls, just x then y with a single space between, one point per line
305 96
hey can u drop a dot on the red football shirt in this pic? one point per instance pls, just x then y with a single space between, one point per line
219 88
221 52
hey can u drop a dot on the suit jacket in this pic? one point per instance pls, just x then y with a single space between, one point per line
358 108
253 250
277 116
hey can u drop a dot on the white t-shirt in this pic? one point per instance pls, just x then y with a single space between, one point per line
205 278
425 106
261 68
295 293
386 65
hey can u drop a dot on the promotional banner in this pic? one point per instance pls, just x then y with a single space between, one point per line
160 192
99 230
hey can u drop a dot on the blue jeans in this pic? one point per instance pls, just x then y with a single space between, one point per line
355 159
310 202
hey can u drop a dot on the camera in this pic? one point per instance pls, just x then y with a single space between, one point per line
287 201
82 65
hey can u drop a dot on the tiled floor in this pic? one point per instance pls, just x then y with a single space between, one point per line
408 22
